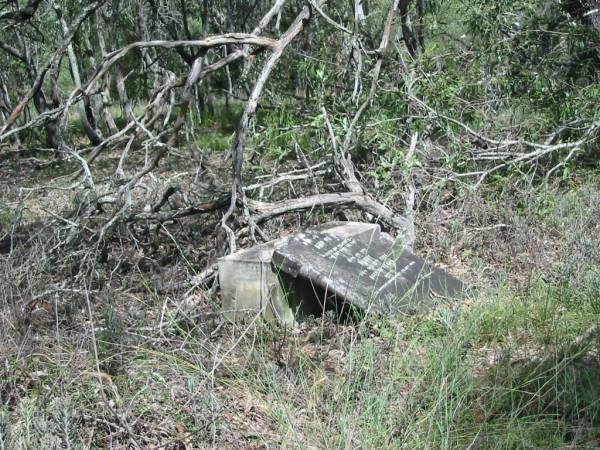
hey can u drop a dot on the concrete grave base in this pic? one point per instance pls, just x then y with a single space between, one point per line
250 286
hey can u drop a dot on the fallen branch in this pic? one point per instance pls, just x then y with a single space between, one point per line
264 211
241 134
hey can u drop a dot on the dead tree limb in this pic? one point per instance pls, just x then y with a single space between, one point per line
210 41
502 151
162 149
328 19
241 135
245 39
381 51
264 211
342 158
113 57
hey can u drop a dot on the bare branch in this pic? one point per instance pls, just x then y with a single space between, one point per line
264 211
239 143
328 19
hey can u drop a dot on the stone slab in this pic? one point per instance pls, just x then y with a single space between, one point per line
371 275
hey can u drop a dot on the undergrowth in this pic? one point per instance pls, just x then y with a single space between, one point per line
135 360
495 371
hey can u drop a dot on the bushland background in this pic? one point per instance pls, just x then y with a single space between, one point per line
142 139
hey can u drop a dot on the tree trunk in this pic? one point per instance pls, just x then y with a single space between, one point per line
592 14
83 108
123 97
106 106
407 31
95 103
6 108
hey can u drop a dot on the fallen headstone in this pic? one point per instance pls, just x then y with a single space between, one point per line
348 262
372 276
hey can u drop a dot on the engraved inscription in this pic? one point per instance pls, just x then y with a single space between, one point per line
371 275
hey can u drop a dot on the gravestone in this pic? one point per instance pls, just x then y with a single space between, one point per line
250 284
372 274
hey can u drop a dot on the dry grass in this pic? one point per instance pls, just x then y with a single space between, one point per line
126 355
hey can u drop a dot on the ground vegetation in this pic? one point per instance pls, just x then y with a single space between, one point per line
142 139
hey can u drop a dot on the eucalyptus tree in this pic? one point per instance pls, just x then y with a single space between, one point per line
141 74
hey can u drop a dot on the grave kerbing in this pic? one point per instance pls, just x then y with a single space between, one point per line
349 262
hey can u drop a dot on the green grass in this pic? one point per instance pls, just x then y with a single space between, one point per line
496 370
490 372
212 140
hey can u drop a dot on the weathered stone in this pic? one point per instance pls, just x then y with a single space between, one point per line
250 284
370 274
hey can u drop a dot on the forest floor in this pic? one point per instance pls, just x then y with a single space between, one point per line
142 359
